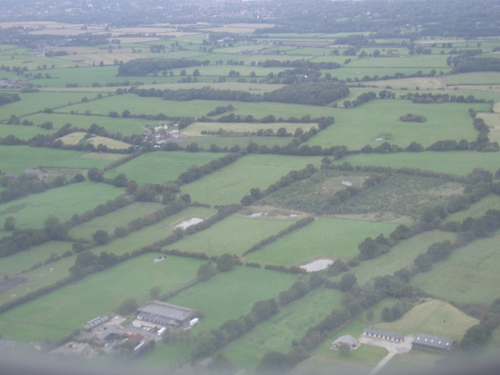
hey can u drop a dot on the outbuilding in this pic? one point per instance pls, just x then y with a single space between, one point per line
435 343
390 336
346 339
165 314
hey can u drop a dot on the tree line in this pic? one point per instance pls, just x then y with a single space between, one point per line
143 67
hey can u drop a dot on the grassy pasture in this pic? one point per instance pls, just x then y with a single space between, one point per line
454 162
24 260
110 221
152 233
22 132
359 72
195 108
17 159
237 86
232 235
35 102
53 316
277 333
196 128
418 62
400 256
360 126
335 238
475 78
62 202
463 276
416 360
410 83
206 141
477 209
166 166
231 294
231 183
433 317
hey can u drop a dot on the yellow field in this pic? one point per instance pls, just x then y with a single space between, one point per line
77 137
410 83
240 27
434 318
195 129
496 107
493 122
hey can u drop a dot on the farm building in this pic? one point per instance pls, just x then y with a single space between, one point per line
390 336
442 344
346 339
95 322
165 314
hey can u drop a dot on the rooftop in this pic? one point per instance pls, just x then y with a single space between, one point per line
383 333
434 341
166 311
346 339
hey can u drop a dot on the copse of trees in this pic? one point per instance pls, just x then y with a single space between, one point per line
143 67
412 118
8 98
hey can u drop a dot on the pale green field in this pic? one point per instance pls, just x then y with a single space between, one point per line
463 276
490 202
196 128
229 295
22 132
231 183
56 314
232 235
331 238
475 78
454 162
359 126
161 167
277 333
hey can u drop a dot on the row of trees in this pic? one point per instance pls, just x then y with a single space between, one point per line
143 67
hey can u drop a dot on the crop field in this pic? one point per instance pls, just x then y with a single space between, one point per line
490 202
110 221
462 277
54 315
150 234
278 332
16 159
409 83
360 126
233 235
493 122
33 210
198 127
400 256
231 183
330 238
453 162
433 317
167 166
229 295
79 137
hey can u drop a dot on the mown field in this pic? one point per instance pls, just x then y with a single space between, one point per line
330 238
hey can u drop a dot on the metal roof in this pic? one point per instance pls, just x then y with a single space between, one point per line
383 333
346 339
165 311
435 342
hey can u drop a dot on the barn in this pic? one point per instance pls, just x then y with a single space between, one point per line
390 336
165 314
435 343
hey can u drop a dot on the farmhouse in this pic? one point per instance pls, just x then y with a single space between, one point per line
165 314
428 342
390 336
346 339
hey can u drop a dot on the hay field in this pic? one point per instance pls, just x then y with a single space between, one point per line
240 27
228 295
197 128
433 317
231 183
462 277
330 238
166 166
289 324
77 138
493 122
54 315
233 235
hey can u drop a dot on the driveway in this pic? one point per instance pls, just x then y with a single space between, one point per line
392 347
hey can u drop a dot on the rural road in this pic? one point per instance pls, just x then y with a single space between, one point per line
442 83
392 347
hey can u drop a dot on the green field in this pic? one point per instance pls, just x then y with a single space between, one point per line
360 126
21 131
16 159
232 235
331 238
62 202
453 162
465 275
231 183
490 202
433 317
232 294
110 221
161 167
289 324
206 141
53 316
476 78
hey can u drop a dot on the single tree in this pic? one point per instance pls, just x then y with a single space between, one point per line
10 224
154 292
205 271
